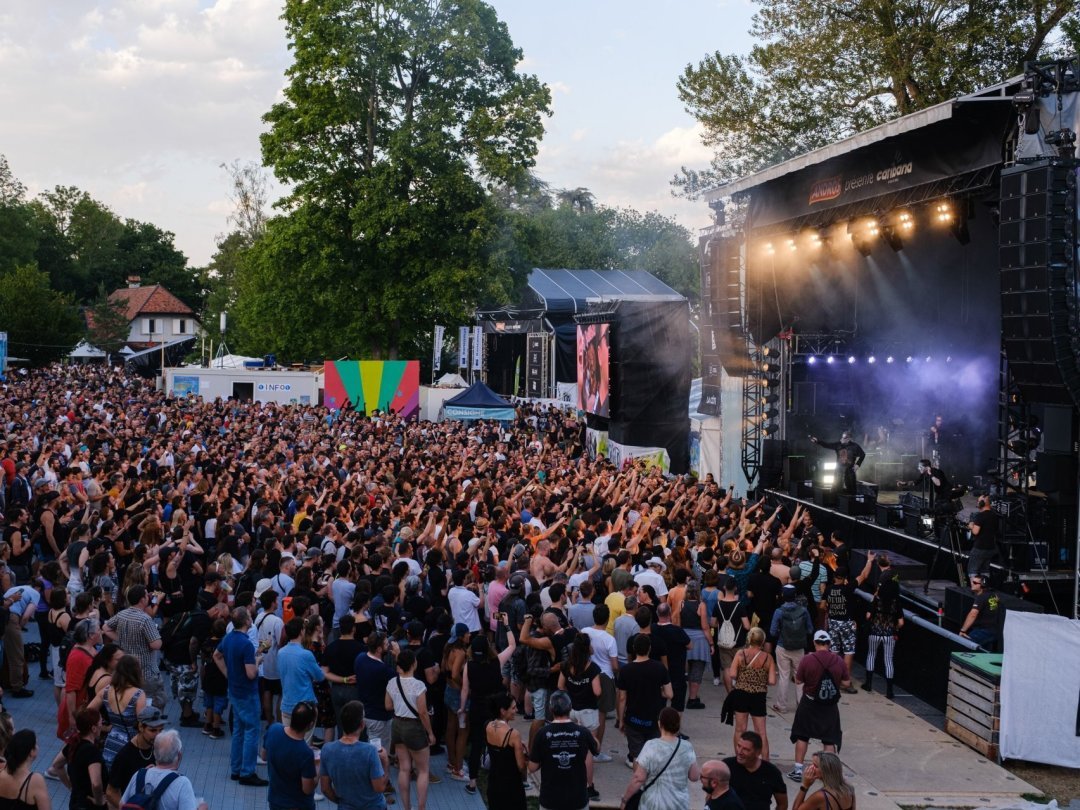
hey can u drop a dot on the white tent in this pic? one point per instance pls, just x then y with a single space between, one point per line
451 380
84 351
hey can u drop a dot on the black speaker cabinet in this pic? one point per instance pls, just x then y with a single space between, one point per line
888 515
855 505
824 496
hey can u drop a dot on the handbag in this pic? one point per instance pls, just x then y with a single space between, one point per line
634 802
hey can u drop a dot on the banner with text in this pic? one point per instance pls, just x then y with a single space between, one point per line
463 347
436 359
478 348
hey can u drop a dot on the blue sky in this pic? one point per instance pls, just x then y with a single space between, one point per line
139 101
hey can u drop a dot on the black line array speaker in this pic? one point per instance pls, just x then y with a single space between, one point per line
722 333
1040 316
773 452
536 365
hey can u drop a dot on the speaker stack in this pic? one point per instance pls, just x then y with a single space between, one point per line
536 365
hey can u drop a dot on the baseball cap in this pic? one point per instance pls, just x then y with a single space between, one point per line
151 716
822 637
312 554
262 586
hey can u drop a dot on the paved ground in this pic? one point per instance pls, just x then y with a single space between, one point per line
896 754
205 762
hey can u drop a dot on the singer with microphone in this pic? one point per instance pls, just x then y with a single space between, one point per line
848 458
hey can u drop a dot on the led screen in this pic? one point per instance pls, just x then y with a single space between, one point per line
593 364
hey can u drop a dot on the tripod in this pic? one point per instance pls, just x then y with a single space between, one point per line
948 529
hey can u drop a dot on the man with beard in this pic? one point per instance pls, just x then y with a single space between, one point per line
757 782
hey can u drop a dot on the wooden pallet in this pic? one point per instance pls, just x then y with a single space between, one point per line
973 711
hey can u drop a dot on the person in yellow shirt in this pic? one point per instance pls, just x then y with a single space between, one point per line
616 603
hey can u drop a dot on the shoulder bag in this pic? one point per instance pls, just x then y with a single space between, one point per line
634 802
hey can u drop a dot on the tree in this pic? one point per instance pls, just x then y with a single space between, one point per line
42 325
824 71
147 251
659 245
107 325
397 116
248 193
18 235
12 191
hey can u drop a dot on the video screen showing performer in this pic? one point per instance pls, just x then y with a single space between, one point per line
849 455
593 362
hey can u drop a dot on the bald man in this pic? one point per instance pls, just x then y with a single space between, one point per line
716 782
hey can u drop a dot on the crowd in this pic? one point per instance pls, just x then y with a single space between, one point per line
344 594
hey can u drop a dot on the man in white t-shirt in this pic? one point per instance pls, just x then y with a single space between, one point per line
464 602
268 627
651 576
282 582
605 656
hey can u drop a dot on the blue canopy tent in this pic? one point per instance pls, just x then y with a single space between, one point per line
478 402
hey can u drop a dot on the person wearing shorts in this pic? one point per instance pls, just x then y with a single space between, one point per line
751 673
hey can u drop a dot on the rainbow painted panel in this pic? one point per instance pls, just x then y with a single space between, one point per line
373 385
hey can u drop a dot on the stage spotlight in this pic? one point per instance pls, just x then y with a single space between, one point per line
908 359
811 360
770 399
929 358
851 359
769 368
871 359
895 227
770 430
863 234
769 249
944 212
772 413
769 352
791 245
830 359
889 359
948 359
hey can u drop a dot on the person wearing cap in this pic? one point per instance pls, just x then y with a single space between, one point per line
652 575
792 628
815 719
136 754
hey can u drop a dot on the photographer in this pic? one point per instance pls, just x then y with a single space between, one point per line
984 534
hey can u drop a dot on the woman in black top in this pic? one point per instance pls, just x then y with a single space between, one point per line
482 681
85 766
581 681
20 787
886 618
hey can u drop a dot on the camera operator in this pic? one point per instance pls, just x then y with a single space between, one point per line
983 526
932 480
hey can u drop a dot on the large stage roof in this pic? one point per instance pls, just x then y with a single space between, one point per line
573 290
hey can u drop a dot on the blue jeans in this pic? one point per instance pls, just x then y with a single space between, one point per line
987 639
245 739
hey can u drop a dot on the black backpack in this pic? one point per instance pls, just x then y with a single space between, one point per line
793 629
828 691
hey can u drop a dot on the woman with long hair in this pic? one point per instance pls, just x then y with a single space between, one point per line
101 669
886 618
581 681
752 673
85 765
20 787
454 657
835 793
123 699
506 777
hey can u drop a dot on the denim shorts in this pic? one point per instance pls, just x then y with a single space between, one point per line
539 703
215 703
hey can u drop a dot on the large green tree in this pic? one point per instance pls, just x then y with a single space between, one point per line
822 71
398 116
42 325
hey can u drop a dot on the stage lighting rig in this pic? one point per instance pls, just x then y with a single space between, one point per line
896 227
1064 140
864 232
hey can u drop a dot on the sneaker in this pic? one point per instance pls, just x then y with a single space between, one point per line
470 789
207 728
235 777
253 780
795 774
260 760
459 776
715 681
318 797
434 779
629 762
593 792
216 733
316 741
602 757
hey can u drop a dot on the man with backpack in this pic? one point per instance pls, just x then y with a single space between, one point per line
822 674
162 786
792 628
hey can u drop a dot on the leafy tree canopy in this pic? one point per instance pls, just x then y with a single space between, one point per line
823 71
42 325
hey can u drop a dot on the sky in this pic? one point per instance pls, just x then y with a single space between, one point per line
140 102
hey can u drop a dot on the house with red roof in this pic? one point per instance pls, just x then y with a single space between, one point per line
155 315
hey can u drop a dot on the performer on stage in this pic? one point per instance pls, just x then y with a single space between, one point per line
934 480
848 458
936 439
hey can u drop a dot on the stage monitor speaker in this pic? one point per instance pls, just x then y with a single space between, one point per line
824 496
887 515
794 469
855 505
1040 313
